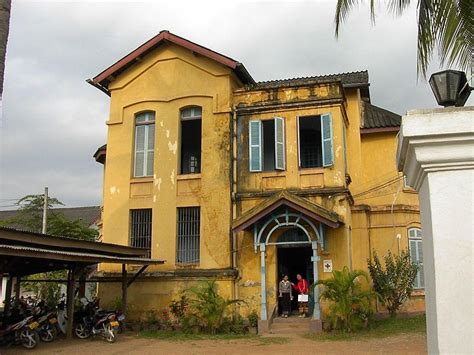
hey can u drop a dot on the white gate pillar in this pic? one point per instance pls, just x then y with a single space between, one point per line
436 153
263 283
315 259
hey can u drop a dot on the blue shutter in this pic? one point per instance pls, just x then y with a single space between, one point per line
279 143
255 145
326 139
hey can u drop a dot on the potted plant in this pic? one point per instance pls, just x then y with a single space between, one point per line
253 322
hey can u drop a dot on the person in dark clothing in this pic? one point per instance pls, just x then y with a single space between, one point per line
286 295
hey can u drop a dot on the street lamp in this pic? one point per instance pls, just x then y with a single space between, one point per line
450 87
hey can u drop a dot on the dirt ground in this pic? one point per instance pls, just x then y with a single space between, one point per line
129 344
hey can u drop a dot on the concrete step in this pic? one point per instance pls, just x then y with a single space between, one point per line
291 320
289 330
291 325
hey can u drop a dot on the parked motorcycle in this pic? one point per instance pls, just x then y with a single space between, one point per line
23 332
47 321
95 322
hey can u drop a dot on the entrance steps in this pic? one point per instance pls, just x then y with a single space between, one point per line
291 325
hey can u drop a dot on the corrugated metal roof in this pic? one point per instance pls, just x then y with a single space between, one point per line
358 78
98 257
377 117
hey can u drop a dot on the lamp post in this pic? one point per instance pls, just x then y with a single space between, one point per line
450 88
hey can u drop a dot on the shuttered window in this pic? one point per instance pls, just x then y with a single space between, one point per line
144 144
255 145
326 138
140 229
188 235
267 144
279 143
416 253
315 137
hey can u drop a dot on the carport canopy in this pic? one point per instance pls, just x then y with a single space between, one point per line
24 253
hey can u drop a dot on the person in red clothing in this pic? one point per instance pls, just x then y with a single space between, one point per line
302 288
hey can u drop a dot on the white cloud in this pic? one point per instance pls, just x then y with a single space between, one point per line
53 121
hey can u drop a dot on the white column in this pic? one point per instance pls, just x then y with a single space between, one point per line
315 259
436 153
263 282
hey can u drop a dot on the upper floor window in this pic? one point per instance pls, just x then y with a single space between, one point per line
267 144
315 141
191 130
144 144
416 253
140 229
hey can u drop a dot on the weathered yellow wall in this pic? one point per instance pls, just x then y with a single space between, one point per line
171 78
166 81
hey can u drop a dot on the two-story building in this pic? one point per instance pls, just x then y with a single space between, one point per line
241 181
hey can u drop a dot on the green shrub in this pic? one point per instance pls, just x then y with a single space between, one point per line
349 305
394 283
253 319
178 307
207 309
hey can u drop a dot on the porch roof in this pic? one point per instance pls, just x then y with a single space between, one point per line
285 198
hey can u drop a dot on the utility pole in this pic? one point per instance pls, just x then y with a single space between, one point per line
45 210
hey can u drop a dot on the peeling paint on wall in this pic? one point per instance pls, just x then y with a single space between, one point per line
158 183
167 133
172 177
114 190
173 147
161 123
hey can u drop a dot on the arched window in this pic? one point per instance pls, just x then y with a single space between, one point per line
144 144
191 118
416 252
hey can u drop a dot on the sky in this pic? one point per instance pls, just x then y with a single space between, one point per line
53 121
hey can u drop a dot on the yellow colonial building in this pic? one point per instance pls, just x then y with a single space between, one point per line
241 181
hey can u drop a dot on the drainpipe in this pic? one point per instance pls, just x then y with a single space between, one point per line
232 181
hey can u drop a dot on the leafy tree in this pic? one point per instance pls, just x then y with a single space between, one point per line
393 283
349 303
30 216
207 308
443 24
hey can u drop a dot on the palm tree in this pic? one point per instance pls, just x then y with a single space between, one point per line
443 24
349 304
4 28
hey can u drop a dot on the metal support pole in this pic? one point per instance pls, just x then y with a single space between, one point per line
263 282
45 210
17 290
8 295
70 303
315 259
124 289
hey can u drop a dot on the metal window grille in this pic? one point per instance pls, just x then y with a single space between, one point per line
188 235
140 229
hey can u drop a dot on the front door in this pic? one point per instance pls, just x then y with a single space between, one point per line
293 260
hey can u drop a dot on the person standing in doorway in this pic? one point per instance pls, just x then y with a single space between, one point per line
302 288
286 295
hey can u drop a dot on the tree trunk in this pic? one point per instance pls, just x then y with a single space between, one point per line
5 6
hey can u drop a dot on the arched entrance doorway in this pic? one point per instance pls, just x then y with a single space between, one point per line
298 232
293 259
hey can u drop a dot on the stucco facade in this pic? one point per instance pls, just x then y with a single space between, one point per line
352 202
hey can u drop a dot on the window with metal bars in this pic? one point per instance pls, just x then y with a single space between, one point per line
140 229
188 235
